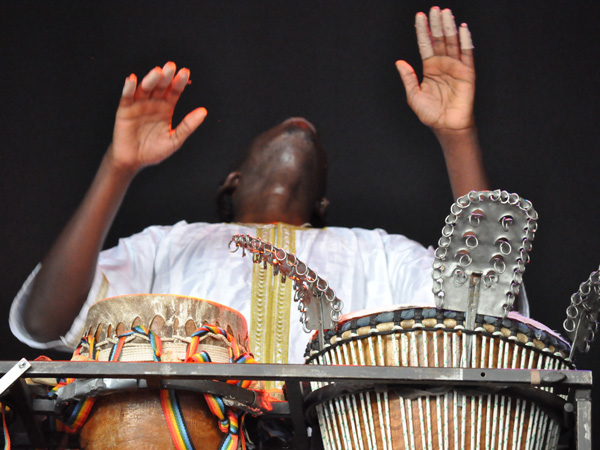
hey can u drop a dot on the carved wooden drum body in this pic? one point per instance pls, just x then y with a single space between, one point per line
136 418
449 418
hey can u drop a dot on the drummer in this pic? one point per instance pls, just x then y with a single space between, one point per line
276 192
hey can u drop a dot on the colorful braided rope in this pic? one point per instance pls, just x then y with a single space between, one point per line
90 341
155 342
78 417
79 414
81 409
234 349
168 398
174 418
230 422
5 428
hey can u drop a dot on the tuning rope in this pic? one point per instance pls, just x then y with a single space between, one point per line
230 422
5 428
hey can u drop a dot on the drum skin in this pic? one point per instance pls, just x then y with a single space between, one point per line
135 420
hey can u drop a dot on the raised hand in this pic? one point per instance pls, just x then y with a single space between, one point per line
444 99
143 134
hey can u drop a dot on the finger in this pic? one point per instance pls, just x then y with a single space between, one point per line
149 83
409 78
423 38
466 45
450 34
178 84
188 125
129 89
437 32
168 71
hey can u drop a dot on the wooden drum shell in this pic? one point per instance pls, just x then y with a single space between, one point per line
135 420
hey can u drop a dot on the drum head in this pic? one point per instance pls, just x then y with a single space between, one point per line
165 315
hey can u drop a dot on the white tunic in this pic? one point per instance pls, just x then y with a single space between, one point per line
366 268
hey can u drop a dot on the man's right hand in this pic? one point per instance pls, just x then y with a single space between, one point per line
143 135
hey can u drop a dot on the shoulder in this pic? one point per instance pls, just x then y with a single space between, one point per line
376 235
185 228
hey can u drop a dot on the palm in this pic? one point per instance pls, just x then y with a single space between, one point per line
143 130
444 98
143 134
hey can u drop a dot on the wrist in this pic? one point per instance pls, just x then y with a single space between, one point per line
119 167
455 133
463 140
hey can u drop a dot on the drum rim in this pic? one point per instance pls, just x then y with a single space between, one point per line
309 358
188 297
338 333
512 315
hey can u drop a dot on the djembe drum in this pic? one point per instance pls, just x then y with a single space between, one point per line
450 418
131 328
477 273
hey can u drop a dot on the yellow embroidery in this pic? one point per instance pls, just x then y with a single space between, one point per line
282 293
260 339
270 301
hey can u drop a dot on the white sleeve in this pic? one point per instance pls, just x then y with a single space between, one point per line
17 312
409 270
127 268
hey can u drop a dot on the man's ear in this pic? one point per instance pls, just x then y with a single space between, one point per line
231 183
321 207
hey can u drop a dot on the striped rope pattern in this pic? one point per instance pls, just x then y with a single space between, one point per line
81 410
168 398
155 342
174 418
90 341
5 429
230 422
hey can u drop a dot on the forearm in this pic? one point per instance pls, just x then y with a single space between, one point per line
62 285
142 137
464 160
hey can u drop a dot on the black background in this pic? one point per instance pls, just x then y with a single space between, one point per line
255 63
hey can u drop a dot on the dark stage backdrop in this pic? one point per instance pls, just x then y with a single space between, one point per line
255 63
